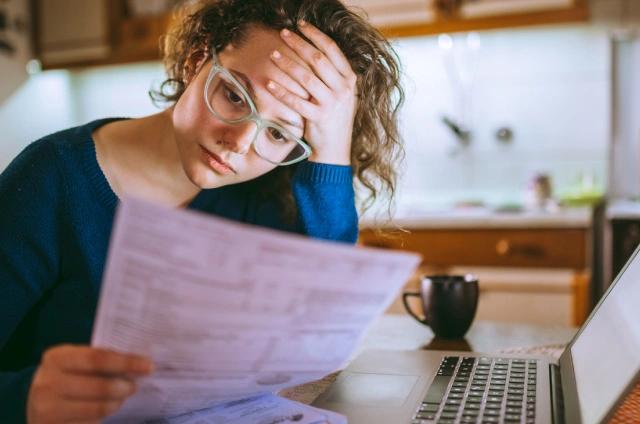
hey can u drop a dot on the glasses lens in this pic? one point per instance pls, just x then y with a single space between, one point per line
226 98
278 145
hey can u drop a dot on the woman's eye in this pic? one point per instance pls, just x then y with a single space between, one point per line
234 97
276 135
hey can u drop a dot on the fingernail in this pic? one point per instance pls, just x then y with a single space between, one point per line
286 32
302 23
276 54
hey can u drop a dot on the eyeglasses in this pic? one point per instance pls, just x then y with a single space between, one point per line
228 100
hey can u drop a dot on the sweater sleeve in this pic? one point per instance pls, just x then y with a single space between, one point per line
28 259
325 201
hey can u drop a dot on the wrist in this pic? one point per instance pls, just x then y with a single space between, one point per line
331 158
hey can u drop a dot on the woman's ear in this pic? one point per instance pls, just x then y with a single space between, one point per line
193 64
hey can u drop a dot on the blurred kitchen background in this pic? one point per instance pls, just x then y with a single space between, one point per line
521 122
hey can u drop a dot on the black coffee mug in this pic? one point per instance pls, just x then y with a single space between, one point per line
449 303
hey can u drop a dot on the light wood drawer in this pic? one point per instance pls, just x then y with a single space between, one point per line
548 248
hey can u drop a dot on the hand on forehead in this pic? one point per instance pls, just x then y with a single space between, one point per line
252 58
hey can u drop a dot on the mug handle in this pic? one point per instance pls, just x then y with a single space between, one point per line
405 296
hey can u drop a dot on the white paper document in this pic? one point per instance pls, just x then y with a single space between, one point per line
229 311
266 409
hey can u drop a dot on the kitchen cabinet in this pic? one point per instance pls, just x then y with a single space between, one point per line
138 38
394 18
396 13
489 8
542 267
69 31
544 248
75 33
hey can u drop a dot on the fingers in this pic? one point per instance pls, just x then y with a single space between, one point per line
82 384
305 77
47 402
325 72
81 410
72 411
320 67
286 81
84 387
329 47
319 62
305 108
84 359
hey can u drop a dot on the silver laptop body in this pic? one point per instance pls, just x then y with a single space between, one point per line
595 372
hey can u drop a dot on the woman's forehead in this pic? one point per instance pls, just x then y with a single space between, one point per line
253 54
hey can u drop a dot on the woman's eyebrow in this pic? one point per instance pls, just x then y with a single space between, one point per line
246 80
291 123
249 87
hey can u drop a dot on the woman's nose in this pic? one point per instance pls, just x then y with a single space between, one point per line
238 138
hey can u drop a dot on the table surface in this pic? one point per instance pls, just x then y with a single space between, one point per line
401 332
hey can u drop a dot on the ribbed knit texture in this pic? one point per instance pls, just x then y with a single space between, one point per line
56 216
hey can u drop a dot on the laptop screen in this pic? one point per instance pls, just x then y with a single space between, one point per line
605 353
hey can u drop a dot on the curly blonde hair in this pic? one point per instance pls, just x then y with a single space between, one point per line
203 25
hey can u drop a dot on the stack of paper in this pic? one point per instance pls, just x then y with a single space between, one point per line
233 312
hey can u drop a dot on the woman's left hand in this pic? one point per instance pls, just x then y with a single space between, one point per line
329 79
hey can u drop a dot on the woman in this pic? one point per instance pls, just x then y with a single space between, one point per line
274 106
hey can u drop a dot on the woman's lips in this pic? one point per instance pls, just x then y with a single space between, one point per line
216 163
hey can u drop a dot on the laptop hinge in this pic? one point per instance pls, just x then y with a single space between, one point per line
557 399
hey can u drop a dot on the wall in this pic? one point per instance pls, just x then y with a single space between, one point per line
550 86
43 104
55 100
115 91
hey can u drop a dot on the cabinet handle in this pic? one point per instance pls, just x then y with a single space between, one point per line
532 251
503 247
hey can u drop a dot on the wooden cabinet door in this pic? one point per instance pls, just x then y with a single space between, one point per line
544 248
399 18
486 8
387 14
70 31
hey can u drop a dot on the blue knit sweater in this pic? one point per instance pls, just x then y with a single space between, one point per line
56 215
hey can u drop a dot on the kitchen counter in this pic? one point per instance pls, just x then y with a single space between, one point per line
469 218
482 238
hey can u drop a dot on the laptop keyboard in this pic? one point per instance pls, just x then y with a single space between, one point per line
481 390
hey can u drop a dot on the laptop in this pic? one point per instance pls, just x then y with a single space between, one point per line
597 369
